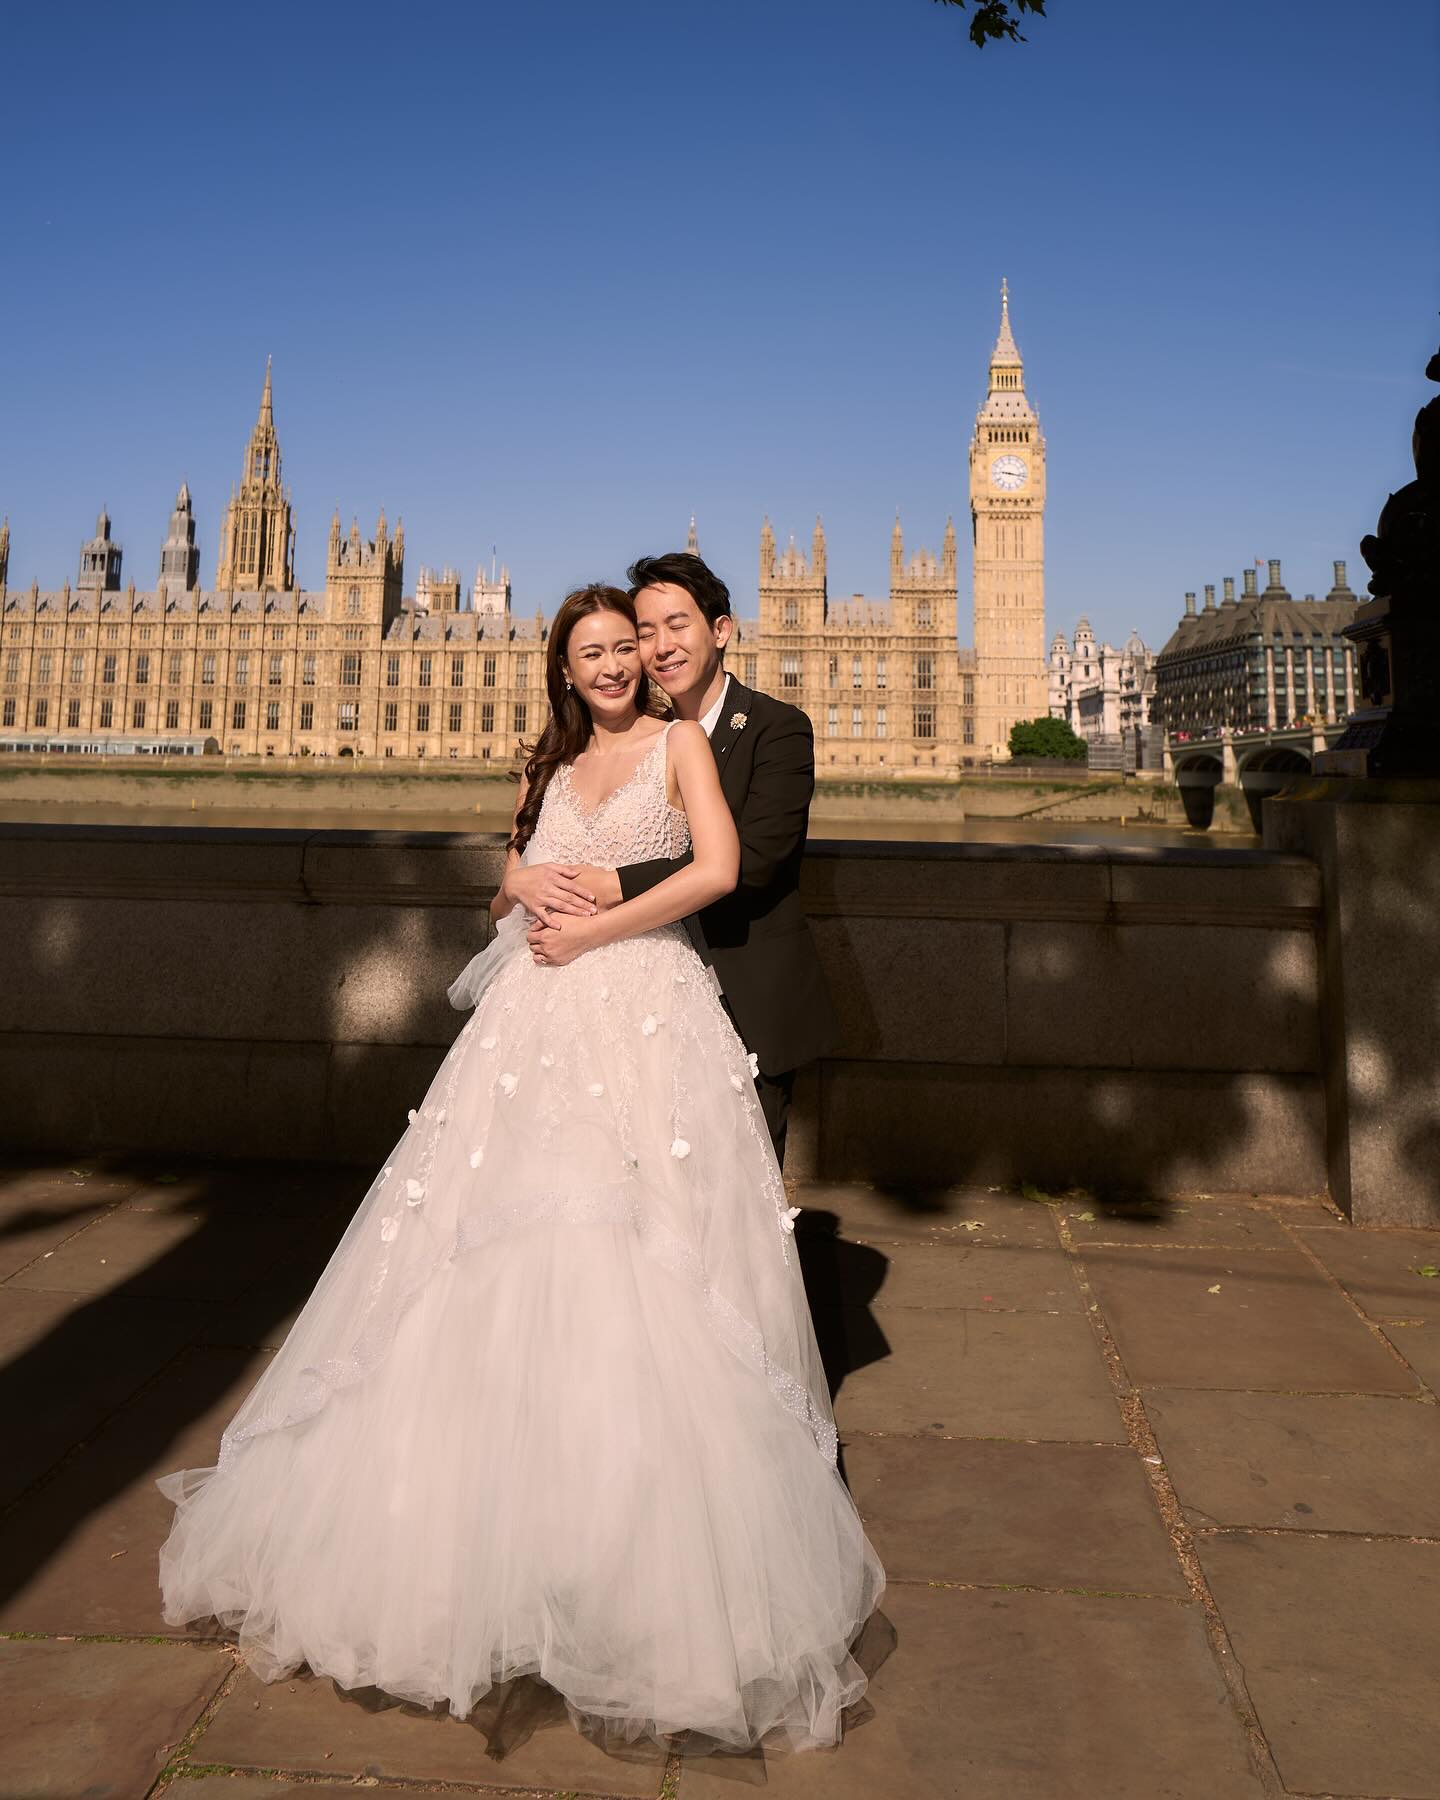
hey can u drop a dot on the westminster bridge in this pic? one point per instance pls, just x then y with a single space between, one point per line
1259 763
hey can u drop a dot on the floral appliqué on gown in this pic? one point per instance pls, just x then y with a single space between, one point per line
555 1406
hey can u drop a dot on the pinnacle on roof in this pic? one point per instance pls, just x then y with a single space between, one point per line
1006 351
267 408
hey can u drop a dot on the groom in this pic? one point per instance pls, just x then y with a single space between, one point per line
756 939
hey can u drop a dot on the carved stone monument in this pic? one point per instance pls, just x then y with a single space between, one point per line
1397 732
1370 818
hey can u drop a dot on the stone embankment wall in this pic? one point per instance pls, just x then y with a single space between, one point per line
1135 1018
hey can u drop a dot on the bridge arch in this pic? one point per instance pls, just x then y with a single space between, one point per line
1268 769
1197 775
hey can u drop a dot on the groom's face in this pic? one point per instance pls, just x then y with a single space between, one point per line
680 648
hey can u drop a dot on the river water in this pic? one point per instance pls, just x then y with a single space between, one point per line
935 831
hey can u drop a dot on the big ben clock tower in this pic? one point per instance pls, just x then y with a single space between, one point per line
1007 511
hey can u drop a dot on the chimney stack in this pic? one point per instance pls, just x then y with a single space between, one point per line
1274 585
1189 606
1341 589
1249 593
1229 590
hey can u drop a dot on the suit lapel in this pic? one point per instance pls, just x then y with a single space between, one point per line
738 701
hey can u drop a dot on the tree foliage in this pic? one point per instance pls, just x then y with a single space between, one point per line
1046 737
997 18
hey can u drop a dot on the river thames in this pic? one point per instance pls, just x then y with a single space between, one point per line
927 830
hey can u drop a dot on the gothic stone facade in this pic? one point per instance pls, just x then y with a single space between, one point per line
886 683
259 665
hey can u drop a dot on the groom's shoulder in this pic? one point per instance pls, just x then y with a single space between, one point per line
778 714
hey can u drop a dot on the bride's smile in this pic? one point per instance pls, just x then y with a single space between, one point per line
602 663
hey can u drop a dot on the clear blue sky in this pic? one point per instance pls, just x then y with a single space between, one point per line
554 276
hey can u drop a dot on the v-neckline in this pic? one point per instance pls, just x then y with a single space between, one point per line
589 813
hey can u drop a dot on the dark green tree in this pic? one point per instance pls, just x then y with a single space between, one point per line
1046 737
997 18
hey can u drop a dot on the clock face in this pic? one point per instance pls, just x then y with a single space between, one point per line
1008 472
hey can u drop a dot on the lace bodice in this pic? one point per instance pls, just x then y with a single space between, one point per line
634 823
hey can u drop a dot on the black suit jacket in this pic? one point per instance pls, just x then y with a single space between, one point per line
757 937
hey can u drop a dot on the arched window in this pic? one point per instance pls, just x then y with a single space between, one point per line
352 602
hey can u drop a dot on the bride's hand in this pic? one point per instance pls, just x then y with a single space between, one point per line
547 888
560 943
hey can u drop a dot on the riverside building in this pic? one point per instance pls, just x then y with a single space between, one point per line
258 666
1261 662
1104 695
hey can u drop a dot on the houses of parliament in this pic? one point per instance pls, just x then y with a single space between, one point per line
257 666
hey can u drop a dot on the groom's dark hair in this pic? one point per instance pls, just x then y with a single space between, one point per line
684 570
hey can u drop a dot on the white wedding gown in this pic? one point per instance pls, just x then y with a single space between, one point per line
555 1405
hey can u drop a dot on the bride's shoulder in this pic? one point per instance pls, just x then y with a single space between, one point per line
685 736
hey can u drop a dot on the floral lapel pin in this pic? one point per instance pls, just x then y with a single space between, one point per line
737 721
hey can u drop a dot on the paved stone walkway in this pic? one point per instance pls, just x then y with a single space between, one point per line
1158 1493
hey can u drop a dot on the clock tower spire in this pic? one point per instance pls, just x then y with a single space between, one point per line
1007 510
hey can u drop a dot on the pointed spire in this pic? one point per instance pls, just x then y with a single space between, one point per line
897 543
267 408
1006 353
692 543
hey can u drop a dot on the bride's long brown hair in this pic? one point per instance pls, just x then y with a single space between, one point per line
569 728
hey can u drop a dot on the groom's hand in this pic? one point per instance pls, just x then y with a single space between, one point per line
602 884
545 889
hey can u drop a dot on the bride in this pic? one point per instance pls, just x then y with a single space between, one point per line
554 1406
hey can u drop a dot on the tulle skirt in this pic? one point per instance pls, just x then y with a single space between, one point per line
562 1414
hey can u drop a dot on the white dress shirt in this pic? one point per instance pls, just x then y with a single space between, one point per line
711 719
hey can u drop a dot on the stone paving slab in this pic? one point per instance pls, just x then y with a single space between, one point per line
164 1255
997 1279
32 1223
1275 1322
1034 1515
79 1554
1420 1346
97 1721
932 1215
1339 1641
262 1787
65 1181
67 1362
954 1373
1015 1696
293 1187
1221 1224
1314 1462
1379 1269
291 1724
